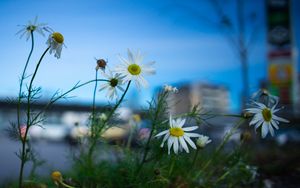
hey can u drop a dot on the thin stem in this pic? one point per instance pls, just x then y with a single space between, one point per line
90 153
173 161
225 115
118 104
93 131
147 147
94 103
220 147
195 157
65 185
64 94
94 94
21 82
23 155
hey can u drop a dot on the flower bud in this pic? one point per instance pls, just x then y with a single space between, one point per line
56 176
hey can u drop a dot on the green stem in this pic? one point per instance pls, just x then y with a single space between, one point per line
225 115
91 149
223 176
220 147
21 83
130 137
63 95
23 155
93 125
65 185
195 157
94 104
118 104
147 147
172 165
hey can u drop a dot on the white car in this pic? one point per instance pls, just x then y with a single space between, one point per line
51 132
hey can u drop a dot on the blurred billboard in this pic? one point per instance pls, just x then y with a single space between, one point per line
282 69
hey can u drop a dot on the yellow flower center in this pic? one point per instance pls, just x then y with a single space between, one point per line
134 69
113 82
58 37
176 131
267 115
56 176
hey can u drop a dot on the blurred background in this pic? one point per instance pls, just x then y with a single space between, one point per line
216 52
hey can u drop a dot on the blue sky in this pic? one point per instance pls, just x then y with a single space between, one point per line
186 47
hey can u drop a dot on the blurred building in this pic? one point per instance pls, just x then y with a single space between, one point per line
213 98
283 79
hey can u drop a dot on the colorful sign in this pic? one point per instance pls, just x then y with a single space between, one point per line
281 65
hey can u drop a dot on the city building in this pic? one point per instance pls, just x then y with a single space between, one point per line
214 98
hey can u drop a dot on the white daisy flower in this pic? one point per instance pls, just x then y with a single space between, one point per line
169 88
31 27
132 69
55 42
115 80
265 117
178 136
202 141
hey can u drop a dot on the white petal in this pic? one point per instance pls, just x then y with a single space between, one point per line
264 130
125 61
131 59
183 144
138 57
275 110
148 70
164 140
255 119
280 119
170 143
162 133
141 80
192 134
171 121
102 87
271 130
190 128
189 141
253 110
261 105
175 147
258 124
120 88
180 122
274 124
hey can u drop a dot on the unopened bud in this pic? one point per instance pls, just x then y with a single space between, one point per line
101 64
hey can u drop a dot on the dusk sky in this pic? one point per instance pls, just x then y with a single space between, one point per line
176 34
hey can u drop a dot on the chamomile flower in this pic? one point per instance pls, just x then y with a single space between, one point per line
132 69
177 136
169 88
31 27
265 117
113 84
202 141
55 43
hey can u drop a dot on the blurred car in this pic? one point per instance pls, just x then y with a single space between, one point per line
49 132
